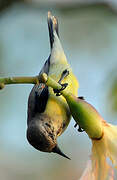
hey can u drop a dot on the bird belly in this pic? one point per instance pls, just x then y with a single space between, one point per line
58 110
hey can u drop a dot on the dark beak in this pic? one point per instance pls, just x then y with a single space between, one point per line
57 150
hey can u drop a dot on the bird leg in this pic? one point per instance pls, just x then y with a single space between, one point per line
64 74
58 92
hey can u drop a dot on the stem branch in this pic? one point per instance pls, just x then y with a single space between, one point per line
18 80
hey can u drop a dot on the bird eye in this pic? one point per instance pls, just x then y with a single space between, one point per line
41 143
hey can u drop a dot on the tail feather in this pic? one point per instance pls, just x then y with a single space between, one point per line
52 26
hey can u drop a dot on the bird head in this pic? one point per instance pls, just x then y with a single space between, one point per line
42 137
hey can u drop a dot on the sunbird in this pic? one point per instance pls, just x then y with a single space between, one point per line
49 115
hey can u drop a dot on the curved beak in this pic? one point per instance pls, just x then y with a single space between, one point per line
57 150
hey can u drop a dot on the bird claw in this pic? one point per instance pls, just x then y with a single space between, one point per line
75 125
79 129
65 73
58 92
81 97
63 86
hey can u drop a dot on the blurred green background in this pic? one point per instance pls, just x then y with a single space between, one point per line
89 37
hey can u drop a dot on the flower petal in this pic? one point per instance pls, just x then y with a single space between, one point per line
100 167
110 139
88 173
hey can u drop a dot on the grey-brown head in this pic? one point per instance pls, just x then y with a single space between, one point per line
42 137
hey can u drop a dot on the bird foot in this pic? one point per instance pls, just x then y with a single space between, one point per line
79 129
58 92
65 73
81 97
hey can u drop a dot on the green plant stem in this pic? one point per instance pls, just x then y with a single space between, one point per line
18 80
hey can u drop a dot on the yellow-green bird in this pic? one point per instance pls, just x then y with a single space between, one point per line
49 115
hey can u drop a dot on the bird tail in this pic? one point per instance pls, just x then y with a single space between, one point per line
52 26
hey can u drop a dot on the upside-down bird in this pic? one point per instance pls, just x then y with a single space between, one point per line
49 115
